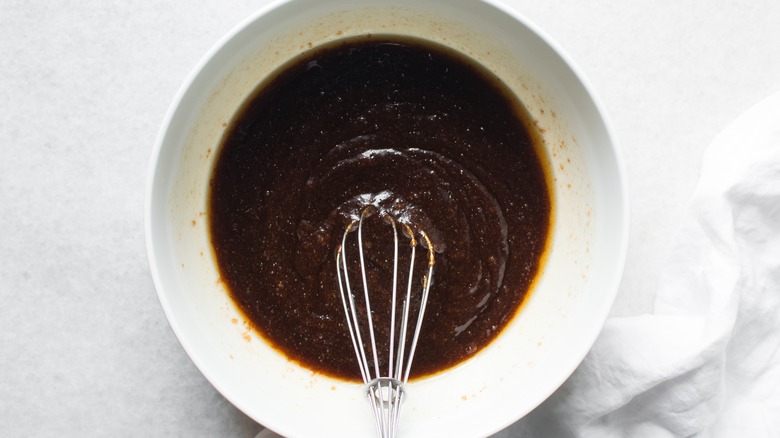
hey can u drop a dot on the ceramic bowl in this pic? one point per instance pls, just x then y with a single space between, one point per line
542 345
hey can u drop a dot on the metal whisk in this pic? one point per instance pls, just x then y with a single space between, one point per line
385 391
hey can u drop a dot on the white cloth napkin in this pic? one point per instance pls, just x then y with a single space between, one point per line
707 361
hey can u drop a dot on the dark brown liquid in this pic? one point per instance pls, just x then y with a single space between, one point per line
418 132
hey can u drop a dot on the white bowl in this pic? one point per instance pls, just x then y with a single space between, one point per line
542 345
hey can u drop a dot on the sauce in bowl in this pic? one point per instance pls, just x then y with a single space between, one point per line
412 129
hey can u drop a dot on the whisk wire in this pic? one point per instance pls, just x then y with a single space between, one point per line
423 303
395 287
405 318
369 314
349 308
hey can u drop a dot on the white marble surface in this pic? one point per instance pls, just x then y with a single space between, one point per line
85 349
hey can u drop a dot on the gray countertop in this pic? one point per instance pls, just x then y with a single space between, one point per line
84 86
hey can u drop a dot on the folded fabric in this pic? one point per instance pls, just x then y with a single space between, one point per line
707 361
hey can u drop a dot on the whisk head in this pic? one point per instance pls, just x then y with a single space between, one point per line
385 377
